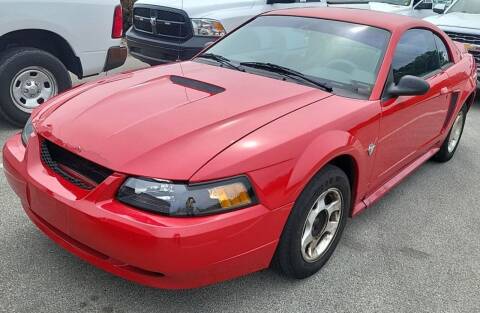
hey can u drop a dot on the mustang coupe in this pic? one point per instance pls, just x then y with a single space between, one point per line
251 155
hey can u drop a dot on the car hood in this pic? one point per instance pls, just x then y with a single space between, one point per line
167 122
456 20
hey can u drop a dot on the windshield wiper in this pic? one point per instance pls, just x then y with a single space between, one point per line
220 59
288 72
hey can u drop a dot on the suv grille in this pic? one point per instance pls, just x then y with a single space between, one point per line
169 24
467 38
71 167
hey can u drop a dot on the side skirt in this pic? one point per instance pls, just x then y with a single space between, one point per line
389 185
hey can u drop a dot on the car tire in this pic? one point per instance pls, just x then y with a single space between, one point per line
451 143
297 258
28 78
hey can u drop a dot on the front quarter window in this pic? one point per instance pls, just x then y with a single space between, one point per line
344 56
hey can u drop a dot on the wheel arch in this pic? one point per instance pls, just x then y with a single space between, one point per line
44 40
337 148
349 166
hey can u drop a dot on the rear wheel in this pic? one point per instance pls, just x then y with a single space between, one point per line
28 78
315 225
450 145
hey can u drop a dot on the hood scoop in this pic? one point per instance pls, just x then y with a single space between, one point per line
196 84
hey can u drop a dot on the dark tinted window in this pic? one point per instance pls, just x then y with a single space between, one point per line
444 57
416 55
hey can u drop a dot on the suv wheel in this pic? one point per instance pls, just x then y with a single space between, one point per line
28 78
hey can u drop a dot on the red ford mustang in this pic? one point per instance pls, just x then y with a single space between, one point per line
252 154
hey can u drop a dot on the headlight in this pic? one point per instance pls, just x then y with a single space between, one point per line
207 28
27 132
187 200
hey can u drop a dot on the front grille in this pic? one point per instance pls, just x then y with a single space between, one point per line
465 38
469 39
71 167
166 23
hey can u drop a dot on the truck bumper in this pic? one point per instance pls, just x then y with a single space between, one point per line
116 57
156 51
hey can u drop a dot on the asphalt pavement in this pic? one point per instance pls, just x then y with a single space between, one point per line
416 250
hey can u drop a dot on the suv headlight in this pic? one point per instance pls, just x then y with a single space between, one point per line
174 199
207 28
27 132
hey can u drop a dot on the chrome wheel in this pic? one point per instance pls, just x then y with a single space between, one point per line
321 225
456 132
31 87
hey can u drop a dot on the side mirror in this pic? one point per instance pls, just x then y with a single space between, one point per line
440 8
423 5
409 86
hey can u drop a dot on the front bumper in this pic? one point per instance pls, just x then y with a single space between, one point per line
158 251
154 51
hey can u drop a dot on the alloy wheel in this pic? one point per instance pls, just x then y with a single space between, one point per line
321 225
456 132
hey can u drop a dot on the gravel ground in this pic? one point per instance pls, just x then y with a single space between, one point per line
417 250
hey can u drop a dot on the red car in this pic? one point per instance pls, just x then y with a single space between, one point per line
252 154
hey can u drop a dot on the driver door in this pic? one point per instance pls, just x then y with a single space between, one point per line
411 125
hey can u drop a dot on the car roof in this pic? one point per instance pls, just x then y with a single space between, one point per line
389 21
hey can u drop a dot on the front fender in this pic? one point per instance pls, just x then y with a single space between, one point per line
323 150
280 173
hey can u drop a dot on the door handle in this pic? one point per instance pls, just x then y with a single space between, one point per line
444 91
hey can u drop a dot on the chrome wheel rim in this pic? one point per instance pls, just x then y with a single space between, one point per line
31 87
456 132
321 225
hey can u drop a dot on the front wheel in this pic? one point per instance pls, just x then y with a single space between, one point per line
28 78
315 224
450 145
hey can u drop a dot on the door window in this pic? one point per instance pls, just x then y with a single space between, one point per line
416 55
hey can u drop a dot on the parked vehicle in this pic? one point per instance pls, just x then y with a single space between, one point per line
413 8
461 22
253 153
42 41
166 31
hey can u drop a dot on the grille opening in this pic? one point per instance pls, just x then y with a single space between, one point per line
169 24
465 38
73 168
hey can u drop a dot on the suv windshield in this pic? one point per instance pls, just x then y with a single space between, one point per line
466 6
327 54
395 2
